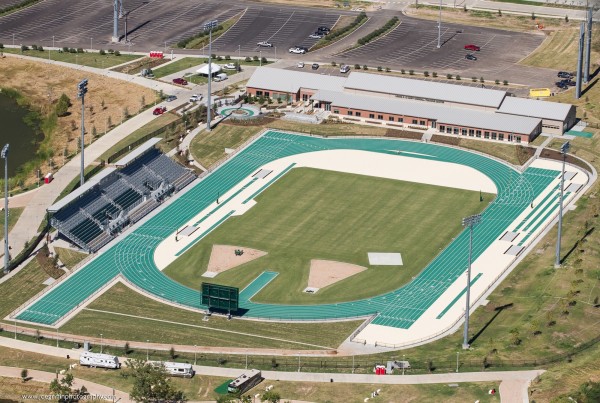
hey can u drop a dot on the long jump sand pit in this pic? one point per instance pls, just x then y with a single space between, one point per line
327 272
223 258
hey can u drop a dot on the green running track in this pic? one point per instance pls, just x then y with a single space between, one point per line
132 255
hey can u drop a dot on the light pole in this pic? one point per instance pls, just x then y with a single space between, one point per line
4 154
403 360
457 354
564 149
194 354
260 58
13 40
101 344
91 44
209 26
56 337
239 51
82 90
439 45
52 41
147 347
470 221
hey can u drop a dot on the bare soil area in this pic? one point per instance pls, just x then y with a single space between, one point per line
327 272
42 85
223 257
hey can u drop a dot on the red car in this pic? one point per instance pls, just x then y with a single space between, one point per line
180 81
160 110
472 47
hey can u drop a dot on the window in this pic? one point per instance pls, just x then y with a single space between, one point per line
456 130
518 139
391 118
471 132
380 117
400 120
463 132
442 128
449 130
501 136
357 113
259 93
415 122
267 93
371 116
486 135
422 122
494 135
336 111
305 97
349 113
478 133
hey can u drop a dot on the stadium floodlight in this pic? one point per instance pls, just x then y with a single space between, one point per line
4 154
81 91
470 221
209 27
439 44
564 149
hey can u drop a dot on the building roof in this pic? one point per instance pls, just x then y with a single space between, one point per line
291 81
74 195
421 89
442 113
142 149
535 108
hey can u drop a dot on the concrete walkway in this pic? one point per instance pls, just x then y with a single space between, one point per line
95 390
514 389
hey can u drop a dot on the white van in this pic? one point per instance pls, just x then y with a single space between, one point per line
344 68
99 360
220 77
176 368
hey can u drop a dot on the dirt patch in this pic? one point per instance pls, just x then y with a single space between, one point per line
224 257
327 272
42 84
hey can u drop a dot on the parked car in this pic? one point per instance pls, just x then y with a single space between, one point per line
220 77
265 44
569 83
230 66
474 48
297 50
300 65
195 98
159 110
316 35
562 85
171 98
470 57
564 74
324 30
344 68
315 66
180 81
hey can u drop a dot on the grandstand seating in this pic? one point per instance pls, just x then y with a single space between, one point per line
122 197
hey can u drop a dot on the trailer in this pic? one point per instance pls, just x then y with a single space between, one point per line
99 360
245 382
176 368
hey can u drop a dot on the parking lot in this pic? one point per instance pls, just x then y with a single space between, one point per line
282 27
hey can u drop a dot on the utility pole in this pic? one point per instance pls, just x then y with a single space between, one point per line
470 221
439 45
209 26
81 91
564 149
4 155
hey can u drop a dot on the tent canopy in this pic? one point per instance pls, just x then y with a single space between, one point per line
204 69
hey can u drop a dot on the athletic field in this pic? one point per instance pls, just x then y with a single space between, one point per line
132 256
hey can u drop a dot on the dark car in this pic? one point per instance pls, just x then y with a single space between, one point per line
570 83
470 57
180 81
474 48
564 74
315 66
160 110
171 98
324 30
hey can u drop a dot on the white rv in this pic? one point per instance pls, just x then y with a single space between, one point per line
99 360
176 368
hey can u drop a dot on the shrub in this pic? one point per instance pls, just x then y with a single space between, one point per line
458 77
79 50
111 51
333 63
117 53
365 67
263 60
411 72
23 48
357 67
227 57
40 48
62 106
474 79
102 52
402 71
379 68
248 59
255 58
465 8
65 49
481 80
72 50
449 76
24 374
219 58
426 73
34 47
1 46
434 74
533 16
387 69
505 82
499 13
566 18
497 82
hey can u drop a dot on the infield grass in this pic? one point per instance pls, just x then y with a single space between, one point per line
315 214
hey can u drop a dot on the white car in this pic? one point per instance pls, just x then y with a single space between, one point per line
297 51
195 98
300 65
230 66
265 44
316 35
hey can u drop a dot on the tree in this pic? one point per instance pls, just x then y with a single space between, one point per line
62 387
24 374
102 104
126 348
94 132
62 106
271 396
109 122
150 383
142 102
125 113
172 353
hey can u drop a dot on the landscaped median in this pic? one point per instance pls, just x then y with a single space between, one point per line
379 32
338 33
201 39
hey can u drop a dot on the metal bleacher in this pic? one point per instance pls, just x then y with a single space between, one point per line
120 197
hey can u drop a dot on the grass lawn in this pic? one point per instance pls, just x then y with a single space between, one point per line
22 286
121 299
91 59
13 216
70 257
177 65
209 147
12 389
148 128
334 216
